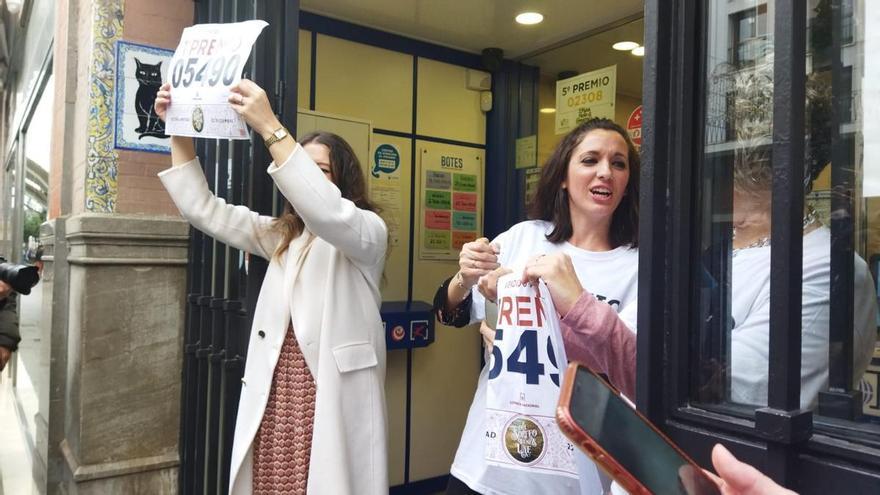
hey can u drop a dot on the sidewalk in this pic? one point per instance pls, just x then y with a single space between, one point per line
15 465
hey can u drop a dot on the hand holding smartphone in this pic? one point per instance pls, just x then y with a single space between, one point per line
596 418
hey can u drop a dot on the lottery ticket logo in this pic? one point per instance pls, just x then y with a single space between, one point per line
524 440
198 119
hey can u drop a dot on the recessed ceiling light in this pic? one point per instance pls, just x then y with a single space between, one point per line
624 46
638 51
547 110
529 18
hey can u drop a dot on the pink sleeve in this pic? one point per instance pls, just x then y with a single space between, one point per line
594 335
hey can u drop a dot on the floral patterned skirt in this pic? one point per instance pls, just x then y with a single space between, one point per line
284 441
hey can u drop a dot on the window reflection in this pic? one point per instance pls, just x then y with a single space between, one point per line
737 180
32 367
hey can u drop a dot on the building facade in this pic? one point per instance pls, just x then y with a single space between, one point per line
133 343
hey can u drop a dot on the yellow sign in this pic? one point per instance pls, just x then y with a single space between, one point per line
584 97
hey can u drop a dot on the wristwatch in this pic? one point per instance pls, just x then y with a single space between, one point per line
277 135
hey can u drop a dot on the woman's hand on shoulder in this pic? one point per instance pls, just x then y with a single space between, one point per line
477 258
558 273
251 102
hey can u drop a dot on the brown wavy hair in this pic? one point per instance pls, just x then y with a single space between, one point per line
551 199
347 175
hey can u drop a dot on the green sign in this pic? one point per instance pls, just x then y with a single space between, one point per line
438 200
464 221
464 182
437 239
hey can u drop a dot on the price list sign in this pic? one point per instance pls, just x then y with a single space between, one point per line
207 63
450 209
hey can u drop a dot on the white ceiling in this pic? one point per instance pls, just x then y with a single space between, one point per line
472 25
595 52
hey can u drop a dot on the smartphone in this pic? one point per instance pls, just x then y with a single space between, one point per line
596 418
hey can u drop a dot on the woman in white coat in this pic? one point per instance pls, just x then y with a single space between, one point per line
311 418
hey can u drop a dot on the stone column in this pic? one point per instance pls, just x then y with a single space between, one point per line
127 279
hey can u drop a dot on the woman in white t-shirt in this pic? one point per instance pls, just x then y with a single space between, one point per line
586 206
596 337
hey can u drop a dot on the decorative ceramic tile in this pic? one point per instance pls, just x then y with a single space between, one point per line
140 70
101 160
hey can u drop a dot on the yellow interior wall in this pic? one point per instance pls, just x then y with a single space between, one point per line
364 82
356 132
373 84
395 399
872 213
444 373
446 107
394 288
397 262
304 76
823 180
547 138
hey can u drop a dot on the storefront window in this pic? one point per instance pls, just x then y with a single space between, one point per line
838 316
32 371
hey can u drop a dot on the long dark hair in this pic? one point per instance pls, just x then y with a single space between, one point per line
551 199
347 175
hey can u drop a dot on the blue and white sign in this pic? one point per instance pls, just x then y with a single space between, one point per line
386 160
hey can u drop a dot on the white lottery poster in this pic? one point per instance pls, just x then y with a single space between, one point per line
526 367
208 61
584 97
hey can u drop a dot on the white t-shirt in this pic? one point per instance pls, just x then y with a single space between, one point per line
750 305
612 276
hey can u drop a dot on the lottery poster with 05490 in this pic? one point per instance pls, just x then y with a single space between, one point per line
207 63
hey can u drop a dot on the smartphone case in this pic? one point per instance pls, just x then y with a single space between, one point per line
580 438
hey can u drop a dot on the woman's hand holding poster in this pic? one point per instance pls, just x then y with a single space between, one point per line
208 61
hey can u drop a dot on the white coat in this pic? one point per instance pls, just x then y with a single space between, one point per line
327 284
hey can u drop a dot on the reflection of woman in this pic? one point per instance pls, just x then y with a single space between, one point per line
750 294
312 412
586 207
595 336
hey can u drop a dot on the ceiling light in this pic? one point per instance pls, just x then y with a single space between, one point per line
625 46
638 51
529 18
547 110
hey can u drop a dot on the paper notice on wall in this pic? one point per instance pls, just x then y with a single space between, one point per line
586 96
532 178
207 63
450 213
386 188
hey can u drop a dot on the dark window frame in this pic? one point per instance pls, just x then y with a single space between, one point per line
814 455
